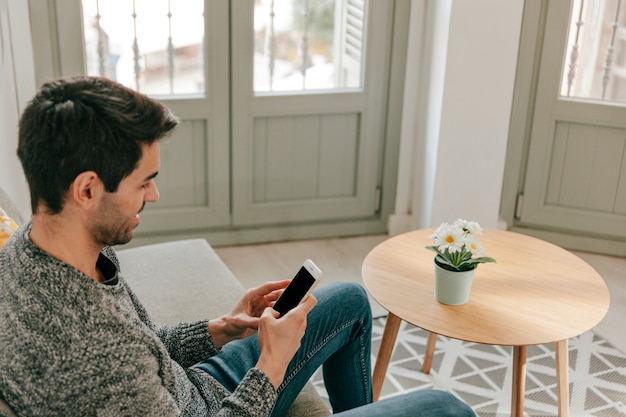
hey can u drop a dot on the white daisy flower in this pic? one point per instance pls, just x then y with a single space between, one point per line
448 236
470 226
473 245
456 245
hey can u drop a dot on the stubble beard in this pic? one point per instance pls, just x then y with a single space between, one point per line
112 228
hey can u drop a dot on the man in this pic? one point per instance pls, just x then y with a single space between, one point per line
77 341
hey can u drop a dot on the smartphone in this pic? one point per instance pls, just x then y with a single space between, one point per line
299 288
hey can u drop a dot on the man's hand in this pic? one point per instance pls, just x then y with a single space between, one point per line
243 320
279 339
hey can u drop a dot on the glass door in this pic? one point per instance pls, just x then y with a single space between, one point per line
576 176
309 95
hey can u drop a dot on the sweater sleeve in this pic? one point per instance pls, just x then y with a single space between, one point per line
255 395
187 343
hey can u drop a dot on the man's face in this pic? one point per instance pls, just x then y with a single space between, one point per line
118 212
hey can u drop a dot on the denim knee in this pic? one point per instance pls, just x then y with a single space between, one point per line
451 406
352 295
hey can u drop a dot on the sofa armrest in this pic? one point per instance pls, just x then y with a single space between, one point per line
180 281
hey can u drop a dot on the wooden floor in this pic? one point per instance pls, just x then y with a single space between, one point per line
340 259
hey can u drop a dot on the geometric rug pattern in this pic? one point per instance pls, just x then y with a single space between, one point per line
481 375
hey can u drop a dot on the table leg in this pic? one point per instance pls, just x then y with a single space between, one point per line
430 352
384 353
519 381
562 377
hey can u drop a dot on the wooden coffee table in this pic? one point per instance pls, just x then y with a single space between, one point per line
536 293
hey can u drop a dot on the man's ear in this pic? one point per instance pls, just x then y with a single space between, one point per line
86 189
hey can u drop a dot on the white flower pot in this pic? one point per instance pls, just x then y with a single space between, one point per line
452 287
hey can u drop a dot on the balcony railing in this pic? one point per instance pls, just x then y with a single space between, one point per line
595 67
156 46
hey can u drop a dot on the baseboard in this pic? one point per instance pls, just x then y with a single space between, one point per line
577 242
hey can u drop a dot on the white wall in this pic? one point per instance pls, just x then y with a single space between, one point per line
17 86
457 144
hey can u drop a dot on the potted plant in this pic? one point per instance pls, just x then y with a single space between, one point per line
458 255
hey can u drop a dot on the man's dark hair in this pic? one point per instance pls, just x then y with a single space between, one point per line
83 124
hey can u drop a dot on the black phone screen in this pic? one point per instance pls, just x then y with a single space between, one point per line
294 292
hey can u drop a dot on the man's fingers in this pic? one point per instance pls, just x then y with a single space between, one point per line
271 312
305 306
269 287
309 303
274 295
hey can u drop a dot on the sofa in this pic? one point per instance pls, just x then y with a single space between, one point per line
181 281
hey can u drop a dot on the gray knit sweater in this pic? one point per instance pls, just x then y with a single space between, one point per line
72 347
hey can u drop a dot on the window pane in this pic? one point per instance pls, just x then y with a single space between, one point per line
303 45
595 62
153 46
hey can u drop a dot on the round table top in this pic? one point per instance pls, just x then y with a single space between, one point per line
535 293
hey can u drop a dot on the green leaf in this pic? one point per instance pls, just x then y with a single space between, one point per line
483 259
467 266
433 248
445 263
466 256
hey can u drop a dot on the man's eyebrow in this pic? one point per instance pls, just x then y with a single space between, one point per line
152 176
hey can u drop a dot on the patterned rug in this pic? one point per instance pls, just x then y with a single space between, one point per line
481 375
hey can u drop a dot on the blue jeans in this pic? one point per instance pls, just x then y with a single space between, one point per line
338 338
